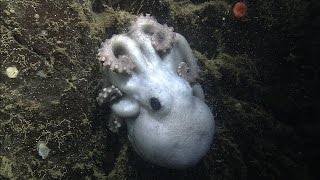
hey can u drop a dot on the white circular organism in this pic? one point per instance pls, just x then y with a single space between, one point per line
12 72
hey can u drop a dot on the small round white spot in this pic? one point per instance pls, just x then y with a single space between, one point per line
12 72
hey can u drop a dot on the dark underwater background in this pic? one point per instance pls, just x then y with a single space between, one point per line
260 75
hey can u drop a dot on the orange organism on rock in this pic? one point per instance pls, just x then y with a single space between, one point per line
240 9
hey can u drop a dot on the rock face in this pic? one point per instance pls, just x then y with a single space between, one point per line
150 81
260 77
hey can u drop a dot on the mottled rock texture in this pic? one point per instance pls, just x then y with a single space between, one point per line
259 76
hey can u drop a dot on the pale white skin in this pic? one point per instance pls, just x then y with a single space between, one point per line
179 132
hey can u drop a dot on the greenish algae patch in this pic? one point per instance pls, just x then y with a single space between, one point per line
6 167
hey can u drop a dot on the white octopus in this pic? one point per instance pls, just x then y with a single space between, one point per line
150 83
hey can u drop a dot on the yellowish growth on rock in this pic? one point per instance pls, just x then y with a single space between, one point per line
6 167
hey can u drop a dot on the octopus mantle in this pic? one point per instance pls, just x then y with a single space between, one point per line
150 83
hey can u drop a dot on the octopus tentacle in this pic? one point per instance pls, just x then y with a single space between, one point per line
117 63
162 36
108 94
193 69
114 123
183 70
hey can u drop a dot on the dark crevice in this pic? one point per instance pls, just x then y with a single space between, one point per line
97 6
23 43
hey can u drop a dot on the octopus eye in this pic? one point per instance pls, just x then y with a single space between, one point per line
155 103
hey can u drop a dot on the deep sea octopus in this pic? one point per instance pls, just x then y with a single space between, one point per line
150 82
